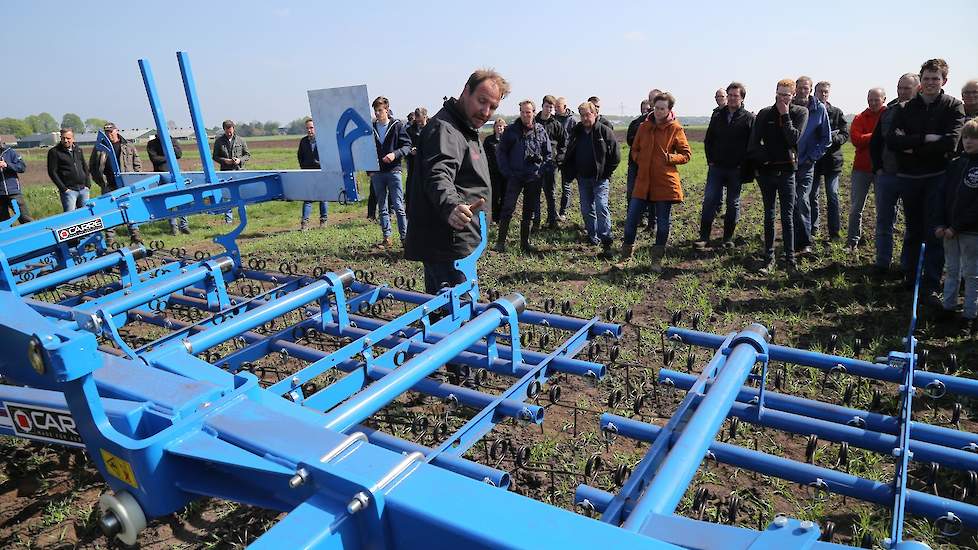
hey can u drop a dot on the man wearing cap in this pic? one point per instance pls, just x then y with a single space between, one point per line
104 175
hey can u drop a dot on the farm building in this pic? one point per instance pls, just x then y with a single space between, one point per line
9 139
44 139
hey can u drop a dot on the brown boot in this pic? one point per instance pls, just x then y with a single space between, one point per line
658 251
627 251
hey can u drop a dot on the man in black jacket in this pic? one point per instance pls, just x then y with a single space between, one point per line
308 156
884 165
453 181
414 132
925 133
829 167
592 156
725 145
69 171
154 149
773 148
230 153
558 140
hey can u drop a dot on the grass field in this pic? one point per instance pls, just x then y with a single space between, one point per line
833 293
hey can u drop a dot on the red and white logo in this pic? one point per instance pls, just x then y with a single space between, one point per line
79 229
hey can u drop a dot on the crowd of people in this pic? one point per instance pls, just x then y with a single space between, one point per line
919 150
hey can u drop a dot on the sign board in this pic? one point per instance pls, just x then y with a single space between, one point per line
344 138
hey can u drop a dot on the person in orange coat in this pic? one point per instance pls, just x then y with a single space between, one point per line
659 147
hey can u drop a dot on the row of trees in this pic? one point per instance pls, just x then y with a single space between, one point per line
269 128
44 122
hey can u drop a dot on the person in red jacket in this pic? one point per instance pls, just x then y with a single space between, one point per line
862 167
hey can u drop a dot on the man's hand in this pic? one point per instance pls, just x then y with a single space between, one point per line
931 138
463 213
388 158
950 233
3 164
236 161
782 107
940 232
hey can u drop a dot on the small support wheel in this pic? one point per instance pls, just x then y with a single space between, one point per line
121 517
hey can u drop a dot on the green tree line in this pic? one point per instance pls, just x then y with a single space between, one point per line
44 122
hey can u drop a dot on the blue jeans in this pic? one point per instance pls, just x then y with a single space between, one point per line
831 198
387 186
717 178
961 261
921 196
630 185
859 184
778 186
72 199
307 210
887 195
594 209
636 211
803 208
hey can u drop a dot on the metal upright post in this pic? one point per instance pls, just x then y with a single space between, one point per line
162 130
190 88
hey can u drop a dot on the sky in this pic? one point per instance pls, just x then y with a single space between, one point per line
256 60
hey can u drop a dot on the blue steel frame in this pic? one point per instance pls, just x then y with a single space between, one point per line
165 424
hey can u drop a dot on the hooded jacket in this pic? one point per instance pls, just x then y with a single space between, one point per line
128 162
659 149
916 118
523 154
67 167
557 135
9 181
396 141
607 154
450 169
960 210
831 162
861 134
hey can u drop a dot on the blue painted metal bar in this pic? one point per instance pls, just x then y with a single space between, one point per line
200 131
872 422
162 128
679 466
642 474
379 394
923 504
75 272
954 384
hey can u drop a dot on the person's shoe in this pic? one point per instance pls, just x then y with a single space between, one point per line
729 244
561 218
804 252
173 230
791 267
852 247
501 237
322 223
385 244
535 226
185 230
768 267
606 249
304 225
627 252
658 252
700 244
525 245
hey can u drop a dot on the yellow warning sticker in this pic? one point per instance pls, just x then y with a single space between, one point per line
119 468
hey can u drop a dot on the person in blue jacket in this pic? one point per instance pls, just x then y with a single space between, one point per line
812 144
11 164
393 144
